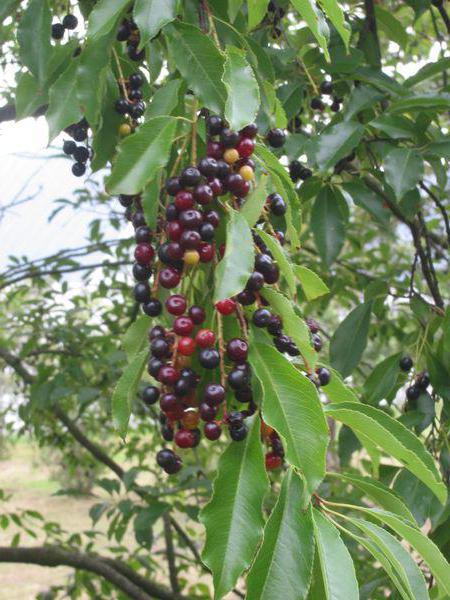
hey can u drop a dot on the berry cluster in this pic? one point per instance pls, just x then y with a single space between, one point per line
132 104
129 32
81 154
418 386
69 23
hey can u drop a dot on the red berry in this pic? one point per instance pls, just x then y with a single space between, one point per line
168 402
208 412
206 252
205 338
144 254
212 431
184 200
245 147
174 229
176 414
237 350
169 277
186 346
183 326
214 149
175 251
176 304
226 307
272 461
168 375
197 314
184 438
212 216
216 186
190 240
203 194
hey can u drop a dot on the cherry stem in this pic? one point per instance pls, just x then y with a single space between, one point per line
121 75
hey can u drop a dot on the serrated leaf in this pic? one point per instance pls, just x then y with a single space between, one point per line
233 518
253 205
403 169
283 566
33 35
292 407
382 379
105 16
125 391
329 217
164 100
151 16
135 337
312 285
336 564
350 339
140 155
367 200
236 266
393 437
336 15
199 62
63 107
314 19
293 325
280 258
394 126
242 101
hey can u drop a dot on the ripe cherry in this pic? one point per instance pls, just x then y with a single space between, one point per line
168 375
212 431
186 346
214 150
216 186
212 216
249 131
206 252
150 395
183 325
174 229
203 194
229 138
175 251
160 348
176 304
237 350
184 438
190 240
169 277
261 317
144 254
323 375
273 461
208 412
214 124
214 394
406 363
209 358
184 200
197 314
173 186
208 166
205 338
245 147
226 307
276 138
168 402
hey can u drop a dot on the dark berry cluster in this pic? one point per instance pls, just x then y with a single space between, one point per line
128 32
132 104
275 451
69 23
417 386
81 154
326 89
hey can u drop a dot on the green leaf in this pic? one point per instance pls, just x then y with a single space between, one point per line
7 8
107 135
382 379
283 566
105 17
336 142
236 266
428 71
394 126
337 391
440 148
33 35
336 564
242 101
361 97
140 156
63 107
391 26
256 11
368 201
421 102
125 391
280 258
378 492
29 96
420 500
150 202
145 519
135 337
312 285
336 15
393 437
350 339
293 325
233 518
199 62
234 6
314 19
165 100
403 169
292 407
329 217
151 16
253 205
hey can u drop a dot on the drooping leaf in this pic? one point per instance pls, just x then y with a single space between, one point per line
292 407
141 155
336 564
329 218
145 519
29 96
125 391
165 99
314 19
334 143
391 26
312 285
233 518
107 135
403 169
421 102
420 500
253 205
336 15
150 202
151 16
33 35
199 62
280 258
350 339
368 201
428 71
135 336
382 379
337 391
361 97
236 266
283 566
242 101
105 17
394 126
393 437
63 107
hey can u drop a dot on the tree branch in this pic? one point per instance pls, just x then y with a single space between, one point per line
170 554
371 30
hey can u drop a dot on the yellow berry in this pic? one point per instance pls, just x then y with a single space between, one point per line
124 130
191 258
190 419
247 173
231 155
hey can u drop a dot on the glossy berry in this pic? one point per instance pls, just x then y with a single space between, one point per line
423 380
209 358
208 412
141 272
313 325
214 150
124 31
214 125
223 169
229 138
78 169
183 325
273 461
175 251
144 254
413 392
326 88
203 194
186 346
176 304
168 402
191 219
134 53
69 147
141 292
57 31
406 363
277 205
154 365
212 431
136 80
255 282
173 186
212 216
243 395
323 376
246 297
317 342
168 460
190 240
207 232
152 308
335 106
190 177
205 338
156 332
79 134
184 200
250 131
245 147
238 434
237 379
237 350
167 433
305 173
160 348
208 166
138 219
143 234
70 22
216 186
184 438
150 395
214 394
261 317
276 138
226 307
169 277
181 388
168 375
317 104
197 314
174 229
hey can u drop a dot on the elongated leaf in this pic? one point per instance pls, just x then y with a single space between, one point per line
125 391
312 285
421 102
256 11
199 62
33 35
63 107
403 169
394 126
391 26
141 155
393 437
361 97
150 202
428 71
337 391
7 8
382 379
292 407
350 339
336 564
135 336
233 518
242 101
236 266
379 493
107 135
293 325
105 17
367 200
280 258
335 14
29 96
251 210
329 218
283 565
334 143
151 16
314 19
164 100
